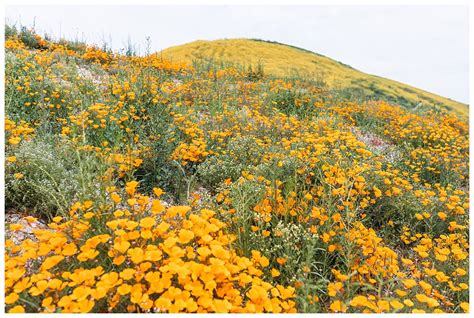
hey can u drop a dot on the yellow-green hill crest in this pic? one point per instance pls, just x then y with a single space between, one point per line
285 60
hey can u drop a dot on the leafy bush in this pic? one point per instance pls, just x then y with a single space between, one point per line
242 154
43 178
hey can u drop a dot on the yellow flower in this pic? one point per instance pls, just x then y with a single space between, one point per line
69 249
17 310
177 210
136 255
383 305
185 236
122 247
88 215
127 273
396 304
118 260
48 304
131 187
257 294
80 293
409 283
14 140
442 215
163 303
30 219
422 298
158 192
262 260
418 311
334 288
219 252
407 261
359 301
204 251
338 306
377 192
87 255
15 227
222 306
146 234
51 261
116 198
275 272
147 222
11 298
124 289
157 207
162 228
426 287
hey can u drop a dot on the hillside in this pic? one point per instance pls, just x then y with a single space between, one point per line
134 184
284 60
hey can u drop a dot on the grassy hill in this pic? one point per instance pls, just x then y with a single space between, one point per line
285 60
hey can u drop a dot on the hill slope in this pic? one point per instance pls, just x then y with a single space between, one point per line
282 60
133 184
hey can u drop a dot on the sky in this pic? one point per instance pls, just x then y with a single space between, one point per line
424 46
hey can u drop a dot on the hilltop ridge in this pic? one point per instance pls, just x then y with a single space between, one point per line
280 59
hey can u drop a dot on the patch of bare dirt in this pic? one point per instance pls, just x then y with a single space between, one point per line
377 145
28 227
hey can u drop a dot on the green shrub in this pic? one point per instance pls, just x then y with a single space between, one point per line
27 36
242 154
10 31
44 179
215 170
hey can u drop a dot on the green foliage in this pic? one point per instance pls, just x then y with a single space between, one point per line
255 73
10 31
51 176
